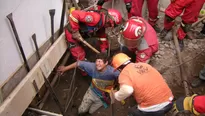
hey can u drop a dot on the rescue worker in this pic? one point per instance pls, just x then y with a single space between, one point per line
191 10
194 104
151 92
134 8
139 37
87 24
103 79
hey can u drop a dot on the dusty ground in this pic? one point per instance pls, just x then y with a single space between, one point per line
165 61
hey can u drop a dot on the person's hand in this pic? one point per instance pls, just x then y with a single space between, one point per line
61 69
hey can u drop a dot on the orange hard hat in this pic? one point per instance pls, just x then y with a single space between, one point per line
119 59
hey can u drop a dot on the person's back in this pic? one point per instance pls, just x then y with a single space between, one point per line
149 86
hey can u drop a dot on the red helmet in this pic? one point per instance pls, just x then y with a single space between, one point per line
114 17
132 33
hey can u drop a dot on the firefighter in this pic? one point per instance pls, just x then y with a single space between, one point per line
139 37
191 10
134 8
87 24
103 79
146 84
194 104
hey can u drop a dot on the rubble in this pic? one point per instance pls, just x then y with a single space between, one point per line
190 45
195 46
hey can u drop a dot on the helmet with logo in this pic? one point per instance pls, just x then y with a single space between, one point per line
133 31
114 17
119 60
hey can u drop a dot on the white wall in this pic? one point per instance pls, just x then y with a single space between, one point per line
30 16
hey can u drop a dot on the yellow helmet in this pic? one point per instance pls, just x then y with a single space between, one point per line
71 9
119 59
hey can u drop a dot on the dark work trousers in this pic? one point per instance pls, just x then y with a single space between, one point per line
136 112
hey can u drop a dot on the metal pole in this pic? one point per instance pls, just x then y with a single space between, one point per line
36 46
18 40
62 17
53 94
54 81
43 112
52 13
67 105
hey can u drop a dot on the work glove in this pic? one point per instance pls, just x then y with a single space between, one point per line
128 6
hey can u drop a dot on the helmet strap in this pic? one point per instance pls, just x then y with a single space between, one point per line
124 65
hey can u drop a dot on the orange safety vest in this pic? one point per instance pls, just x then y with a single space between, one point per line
149 86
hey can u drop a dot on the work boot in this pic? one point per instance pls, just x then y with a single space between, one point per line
181 44
156 28
197 82
200 36
163 33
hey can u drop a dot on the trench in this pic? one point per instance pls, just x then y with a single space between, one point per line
165 61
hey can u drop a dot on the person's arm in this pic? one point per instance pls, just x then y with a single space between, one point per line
124 92
126 87
62 69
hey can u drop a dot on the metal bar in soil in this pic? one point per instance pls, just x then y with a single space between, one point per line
43 112
54 81
52 13
10 17
62 17
53 94
36 46
67 105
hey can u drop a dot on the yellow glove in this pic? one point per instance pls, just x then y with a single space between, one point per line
202 13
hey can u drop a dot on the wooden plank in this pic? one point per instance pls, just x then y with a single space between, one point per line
16 103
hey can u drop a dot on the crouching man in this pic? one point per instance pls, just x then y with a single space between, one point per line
153 95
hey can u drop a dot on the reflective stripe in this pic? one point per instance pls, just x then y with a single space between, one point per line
103 39
73 18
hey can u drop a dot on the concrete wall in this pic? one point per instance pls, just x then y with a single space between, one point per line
30 16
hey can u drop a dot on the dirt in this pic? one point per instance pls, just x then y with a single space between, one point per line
165 61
